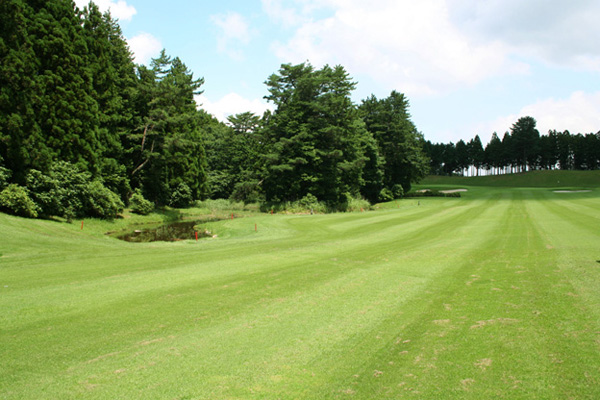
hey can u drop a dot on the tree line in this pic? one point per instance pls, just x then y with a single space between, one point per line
521 149
85 131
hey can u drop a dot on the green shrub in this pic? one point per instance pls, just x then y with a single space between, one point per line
358 204
5 174
247 192
386 195
139 204
181 197
431 193
397 191
309 201
101 201
61 192
15 199
67 191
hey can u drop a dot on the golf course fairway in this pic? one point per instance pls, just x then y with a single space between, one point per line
494 295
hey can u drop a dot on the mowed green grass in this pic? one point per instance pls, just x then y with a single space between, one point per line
492 295
546 179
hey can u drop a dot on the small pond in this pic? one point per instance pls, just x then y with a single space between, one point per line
171 232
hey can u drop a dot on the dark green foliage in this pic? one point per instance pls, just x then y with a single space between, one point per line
525 141
181 197
139 204
61 191
15 199
247 191
397 191
102 202
386 195
399 142
5 174
431 193
523 149
233 154
476 153
309 201
170 149
315 139
68 191
69 92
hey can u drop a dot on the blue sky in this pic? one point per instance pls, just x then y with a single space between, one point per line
467 66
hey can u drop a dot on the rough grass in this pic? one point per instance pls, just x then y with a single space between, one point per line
492 295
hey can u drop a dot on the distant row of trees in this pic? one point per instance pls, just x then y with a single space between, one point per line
83 129
521 149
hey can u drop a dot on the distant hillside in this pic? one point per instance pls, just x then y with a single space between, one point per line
528 179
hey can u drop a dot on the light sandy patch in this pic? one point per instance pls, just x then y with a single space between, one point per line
466 383
502 321
572 191
484 363
474 278
102 357
453 191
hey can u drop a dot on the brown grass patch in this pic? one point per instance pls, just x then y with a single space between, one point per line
502 321
484 363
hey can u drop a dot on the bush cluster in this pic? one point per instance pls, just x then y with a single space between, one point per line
67 191
432 193
14 199
139 204
181 197
310 204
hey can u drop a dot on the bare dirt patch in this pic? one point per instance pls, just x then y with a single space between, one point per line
466 383
502 321
484 363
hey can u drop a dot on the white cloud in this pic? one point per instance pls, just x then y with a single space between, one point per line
235 31
577 114
412 46
427 47
232 104
119 9
144 46
293 14
562 32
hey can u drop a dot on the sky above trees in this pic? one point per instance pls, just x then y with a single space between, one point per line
467 67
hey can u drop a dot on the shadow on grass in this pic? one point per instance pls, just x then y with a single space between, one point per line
169 215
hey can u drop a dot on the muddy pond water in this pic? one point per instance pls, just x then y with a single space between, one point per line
171 232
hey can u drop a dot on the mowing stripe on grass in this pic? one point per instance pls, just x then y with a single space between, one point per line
492 295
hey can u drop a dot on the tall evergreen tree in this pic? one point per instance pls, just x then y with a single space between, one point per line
315 137
114 80
47 111
463 159
400 144
526 138
493 153
476 153
171 150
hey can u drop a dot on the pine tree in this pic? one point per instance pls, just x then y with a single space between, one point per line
171 150
315 137
400 144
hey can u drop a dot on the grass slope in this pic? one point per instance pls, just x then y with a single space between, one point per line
549 179
493 295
